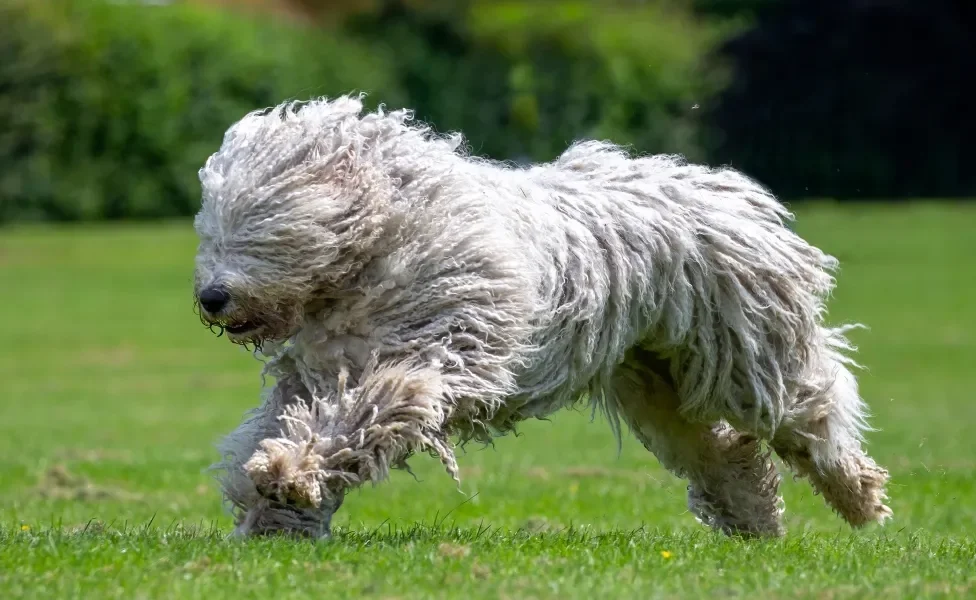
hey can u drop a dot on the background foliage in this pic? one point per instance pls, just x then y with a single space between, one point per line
109 108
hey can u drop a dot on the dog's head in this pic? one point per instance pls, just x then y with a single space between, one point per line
293 202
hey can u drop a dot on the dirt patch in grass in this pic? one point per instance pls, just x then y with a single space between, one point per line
538 473
60 484
93 455
473 471
449 550
596 472
538 524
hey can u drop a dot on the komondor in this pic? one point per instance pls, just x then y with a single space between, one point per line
407 297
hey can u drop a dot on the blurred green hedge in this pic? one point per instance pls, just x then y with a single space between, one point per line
110 109
523 79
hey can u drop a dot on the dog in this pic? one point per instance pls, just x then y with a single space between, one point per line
406 297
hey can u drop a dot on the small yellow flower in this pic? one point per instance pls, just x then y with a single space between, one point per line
25 527
665 554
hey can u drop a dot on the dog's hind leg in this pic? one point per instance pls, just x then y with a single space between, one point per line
733 484
820 439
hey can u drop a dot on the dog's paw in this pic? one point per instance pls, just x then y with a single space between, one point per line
271 519
286 472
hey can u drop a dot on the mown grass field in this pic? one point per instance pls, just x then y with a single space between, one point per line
112 395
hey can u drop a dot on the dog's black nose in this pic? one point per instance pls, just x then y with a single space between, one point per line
214 299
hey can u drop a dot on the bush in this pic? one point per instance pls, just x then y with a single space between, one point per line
525 79
109 110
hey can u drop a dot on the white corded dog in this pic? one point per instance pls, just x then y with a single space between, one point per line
406 296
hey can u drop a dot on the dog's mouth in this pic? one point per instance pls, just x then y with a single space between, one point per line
237 331
242 328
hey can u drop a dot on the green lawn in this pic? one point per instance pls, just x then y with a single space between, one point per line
112 395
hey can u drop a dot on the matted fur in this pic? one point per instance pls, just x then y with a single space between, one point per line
404 294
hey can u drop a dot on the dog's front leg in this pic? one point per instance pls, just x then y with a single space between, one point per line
255 511
327 446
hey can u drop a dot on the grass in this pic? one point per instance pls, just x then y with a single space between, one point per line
113 394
